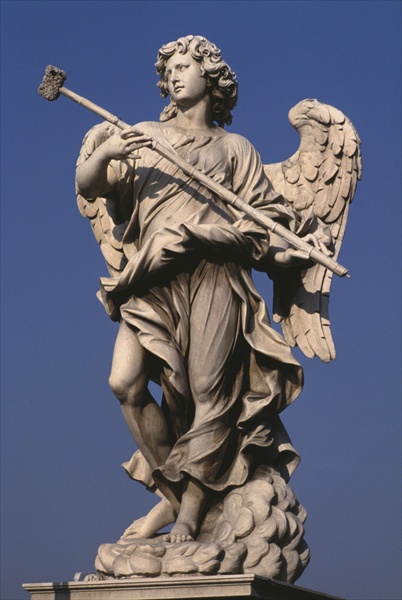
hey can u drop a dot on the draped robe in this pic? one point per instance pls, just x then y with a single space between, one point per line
187 292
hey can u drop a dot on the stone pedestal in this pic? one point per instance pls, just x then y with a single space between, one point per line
236 587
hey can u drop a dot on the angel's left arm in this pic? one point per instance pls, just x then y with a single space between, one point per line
252 185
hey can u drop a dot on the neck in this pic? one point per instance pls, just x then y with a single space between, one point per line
198 116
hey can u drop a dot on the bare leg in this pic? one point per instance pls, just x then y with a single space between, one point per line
158 517
129 382
188 519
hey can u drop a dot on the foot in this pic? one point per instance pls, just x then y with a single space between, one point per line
159 516
188 519
181 532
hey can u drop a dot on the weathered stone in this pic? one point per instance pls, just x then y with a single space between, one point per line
240 587
183 211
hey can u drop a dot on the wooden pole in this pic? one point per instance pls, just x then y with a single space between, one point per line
218 189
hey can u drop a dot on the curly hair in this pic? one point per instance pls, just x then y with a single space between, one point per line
221 79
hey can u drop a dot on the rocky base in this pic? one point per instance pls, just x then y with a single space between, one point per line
256 529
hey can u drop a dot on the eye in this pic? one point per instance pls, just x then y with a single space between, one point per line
182 68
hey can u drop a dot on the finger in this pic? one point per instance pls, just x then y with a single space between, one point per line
130 132
134 133
300 255
135 130
310 239
317 243
134 144
137 146
321 246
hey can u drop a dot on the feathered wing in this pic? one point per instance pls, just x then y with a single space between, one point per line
320 177
106 215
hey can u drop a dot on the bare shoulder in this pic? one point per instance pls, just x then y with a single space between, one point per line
145 125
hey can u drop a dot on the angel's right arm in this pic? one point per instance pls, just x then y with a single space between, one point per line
96 177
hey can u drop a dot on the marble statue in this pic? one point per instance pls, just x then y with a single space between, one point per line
215 451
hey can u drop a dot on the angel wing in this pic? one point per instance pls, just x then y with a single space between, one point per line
320 177
108 216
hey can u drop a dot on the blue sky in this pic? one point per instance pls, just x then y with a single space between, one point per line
63 438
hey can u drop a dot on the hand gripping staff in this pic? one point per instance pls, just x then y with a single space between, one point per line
51 88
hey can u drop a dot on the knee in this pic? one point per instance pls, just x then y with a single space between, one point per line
201 389
128 391
118 387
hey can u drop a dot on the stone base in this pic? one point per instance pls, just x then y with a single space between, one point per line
256 529
238 587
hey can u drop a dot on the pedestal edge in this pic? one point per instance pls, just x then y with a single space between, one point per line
169 588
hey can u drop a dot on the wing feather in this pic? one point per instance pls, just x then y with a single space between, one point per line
322 176
107 226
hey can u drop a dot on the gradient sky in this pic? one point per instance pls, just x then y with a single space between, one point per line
63 437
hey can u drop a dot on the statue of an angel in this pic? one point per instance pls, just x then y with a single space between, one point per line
180 286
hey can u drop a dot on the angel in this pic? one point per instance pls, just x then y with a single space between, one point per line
181 287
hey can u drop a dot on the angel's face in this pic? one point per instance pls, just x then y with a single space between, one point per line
185 80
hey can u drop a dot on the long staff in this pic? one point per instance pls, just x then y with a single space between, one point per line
51 88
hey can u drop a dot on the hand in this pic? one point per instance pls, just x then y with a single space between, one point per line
95 176
293 257
321 242
124 144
